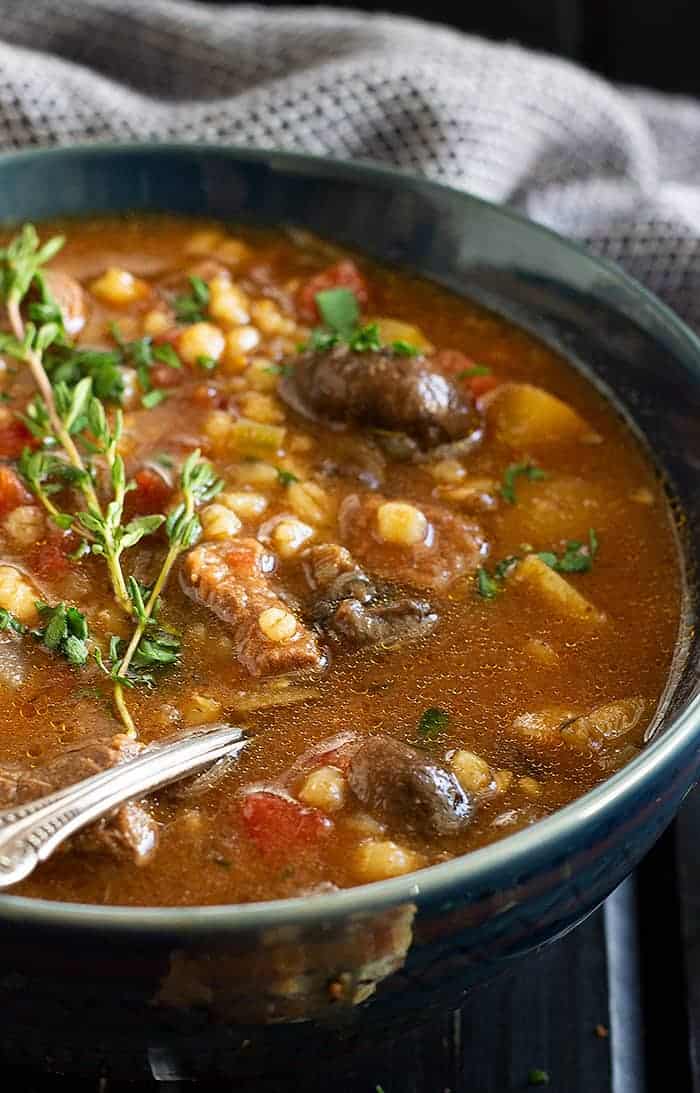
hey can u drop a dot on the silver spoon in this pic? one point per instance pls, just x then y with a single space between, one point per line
30 833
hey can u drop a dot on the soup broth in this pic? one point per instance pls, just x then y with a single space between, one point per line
428 567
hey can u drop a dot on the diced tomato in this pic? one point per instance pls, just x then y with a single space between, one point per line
12 491
343 274
13 438
50 558
481 385
451 362
456 366
152 492
277 824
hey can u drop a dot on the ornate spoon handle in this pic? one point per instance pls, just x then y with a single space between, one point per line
30 833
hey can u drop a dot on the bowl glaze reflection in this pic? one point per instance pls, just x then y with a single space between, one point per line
227 989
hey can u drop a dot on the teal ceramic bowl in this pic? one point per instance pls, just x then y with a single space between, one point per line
97 988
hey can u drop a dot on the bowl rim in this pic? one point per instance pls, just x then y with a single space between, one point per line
543 839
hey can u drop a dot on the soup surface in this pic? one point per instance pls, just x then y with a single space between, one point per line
408 547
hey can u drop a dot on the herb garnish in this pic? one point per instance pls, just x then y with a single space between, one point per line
78 440
474 370
207 363
143 355
577 558
64 630
150 645
286 478
9 622
153 398
66 364
487 586
432 722
515 471
191 307
340 312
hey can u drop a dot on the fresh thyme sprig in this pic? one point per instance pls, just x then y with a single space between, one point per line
198 484
63 630
59 413
79 443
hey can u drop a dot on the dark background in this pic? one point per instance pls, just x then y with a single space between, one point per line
650 42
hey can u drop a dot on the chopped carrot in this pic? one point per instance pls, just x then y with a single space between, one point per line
152 492
12 491
14 437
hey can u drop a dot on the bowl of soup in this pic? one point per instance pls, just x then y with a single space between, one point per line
400 483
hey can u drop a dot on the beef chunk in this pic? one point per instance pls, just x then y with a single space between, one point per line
355 457
129 832
232 579
409 790
19 784
380 389
451 548
353 609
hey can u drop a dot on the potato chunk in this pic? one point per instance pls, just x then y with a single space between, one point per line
524 416
562 599
17 595
549 511
542 728
608 722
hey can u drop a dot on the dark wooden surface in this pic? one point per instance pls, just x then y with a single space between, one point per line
614 1007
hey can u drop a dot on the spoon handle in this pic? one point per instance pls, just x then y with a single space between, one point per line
29 833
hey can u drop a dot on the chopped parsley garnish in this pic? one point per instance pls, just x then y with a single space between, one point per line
340 311
191 307
404 349
474 370
153 398
515 471
321 340
365 338
167 355
577 557
207 363
65 364
433 721
9 622
143 355
487 586
286 478
279 369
